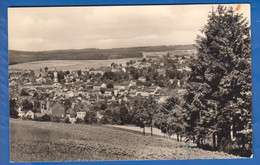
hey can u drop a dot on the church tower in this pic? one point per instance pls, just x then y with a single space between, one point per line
55 74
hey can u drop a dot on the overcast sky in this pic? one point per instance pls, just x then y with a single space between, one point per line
51 28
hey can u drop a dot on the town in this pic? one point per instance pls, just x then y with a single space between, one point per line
93 94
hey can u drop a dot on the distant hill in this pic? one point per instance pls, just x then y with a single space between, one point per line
16 56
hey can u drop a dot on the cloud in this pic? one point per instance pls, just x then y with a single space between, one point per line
48 28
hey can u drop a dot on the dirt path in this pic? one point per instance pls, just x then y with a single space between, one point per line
156 131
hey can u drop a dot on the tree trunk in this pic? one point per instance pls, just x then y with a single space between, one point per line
214 140
151 130
243 143
198 142
231 133
143 130
219 141
178 138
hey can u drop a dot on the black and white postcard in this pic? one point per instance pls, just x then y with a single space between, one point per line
152 82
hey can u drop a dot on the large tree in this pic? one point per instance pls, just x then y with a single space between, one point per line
219 87
13 106
171 118
145 113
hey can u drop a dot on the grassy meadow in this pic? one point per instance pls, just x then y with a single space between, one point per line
32 141
68 64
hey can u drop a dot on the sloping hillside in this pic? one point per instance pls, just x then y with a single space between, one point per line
16 57
47 141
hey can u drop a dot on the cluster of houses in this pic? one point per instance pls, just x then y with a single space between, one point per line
74 97
56 110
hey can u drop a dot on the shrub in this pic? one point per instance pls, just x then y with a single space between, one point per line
90 117
78 120
67 120
12 106
26 118
55 119
46 118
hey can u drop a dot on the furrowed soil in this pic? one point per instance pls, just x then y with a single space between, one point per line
32 141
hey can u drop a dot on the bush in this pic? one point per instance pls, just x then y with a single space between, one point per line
78 120
90 117
12 106
67 120
55 119
45 117
110 85
26 118
13 113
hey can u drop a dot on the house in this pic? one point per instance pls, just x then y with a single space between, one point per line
125 99
132 83
82 111
39 80
57 110
125 84
20 112
14 75
96 72
99 116
142 79
37 114
109 101
119 100
96 87
45 107
124 70
143 94
81 115
151 90
108 93
132 93
71 112
69 94
115 92
72 120
113 98
161 72
29 114
184 68
181 91
56 85
122 86
103 85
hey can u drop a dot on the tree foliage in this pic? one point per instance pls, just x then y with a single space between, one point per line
219 97
145 113
172 118
13 107
27 105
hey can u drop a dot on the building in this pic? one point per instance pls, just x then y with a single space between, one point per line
45 107
57 110
81 115
142 79
29 114
55 79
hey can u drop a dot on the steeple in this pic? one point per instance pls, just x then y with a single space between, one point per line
55 79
